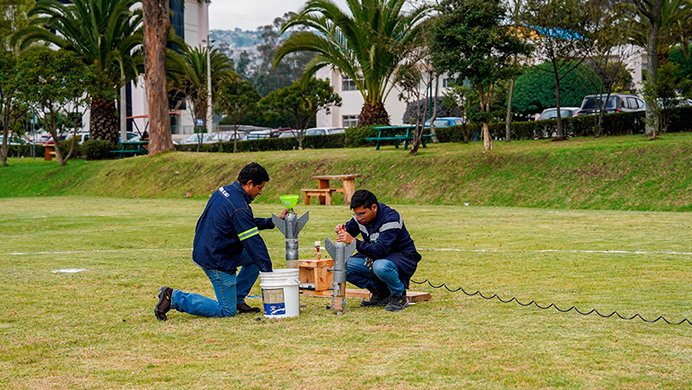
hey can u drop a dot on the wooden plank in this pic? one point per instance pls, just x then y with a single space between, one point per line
413 296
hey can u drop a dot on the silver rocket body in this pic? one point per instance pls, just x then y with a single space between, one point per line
340 252
290 227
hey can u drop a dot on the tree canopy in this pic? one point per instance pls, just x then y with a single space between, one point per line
366 43
299 103
535 89
469 39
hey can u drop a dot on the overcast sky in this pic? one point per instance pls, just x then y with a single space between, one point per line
250 14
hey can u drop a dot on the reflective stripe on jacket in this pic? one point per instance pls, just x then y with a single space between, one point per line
225 228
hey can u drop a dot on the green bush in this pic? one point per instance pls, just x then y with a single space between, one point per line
23 151
65 146
332 141
677 119
96 149
355 136
258 145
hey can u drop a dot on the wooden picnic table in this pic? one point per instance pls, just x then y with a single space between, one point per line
132 148
396 134
348 187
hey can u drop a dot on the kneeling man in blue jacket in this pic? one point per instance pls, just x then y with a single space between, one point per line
387 256
226 237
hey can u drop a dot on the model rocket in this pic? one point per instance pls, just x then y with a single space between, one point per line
290 227
340 252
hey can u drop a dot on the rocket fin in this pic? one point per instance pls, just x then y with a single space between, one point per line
279 223
301 222
349 250
330 247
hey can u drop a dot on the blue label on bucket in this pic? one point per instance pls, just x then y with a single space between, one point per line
274 309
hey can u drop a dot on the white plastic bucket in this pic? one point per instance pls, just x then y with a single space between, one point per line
280 293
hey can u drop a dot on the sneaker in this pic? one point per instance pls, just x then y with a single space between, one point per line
397 303
378 298
164 305
245 308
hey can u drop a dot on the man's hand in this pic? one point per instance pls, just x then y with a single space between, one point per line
339 228
345 237
282 215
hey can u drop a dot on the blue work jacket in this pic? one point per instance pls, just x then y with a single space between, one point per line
225 228
386 237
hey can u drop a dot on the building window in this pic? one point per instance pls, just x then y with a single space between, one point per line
348 84
349 121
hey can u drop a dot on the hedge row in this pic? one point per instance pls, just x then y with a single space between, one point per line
672 120
90 150
310 142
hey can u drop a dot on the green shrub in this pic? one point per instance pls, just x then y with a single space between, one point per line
355 136
450 134
23 151
332 141
65 146
677 119
96 149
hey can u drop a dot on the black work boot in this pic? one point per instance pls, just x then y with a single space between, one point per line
397 303
378 298
243 308
164 305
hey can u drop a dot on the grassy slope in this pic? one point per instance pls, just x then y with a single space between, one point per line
622 173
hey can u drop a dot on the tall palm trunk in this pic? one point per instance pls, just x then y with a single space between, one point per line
156 26
652 114
373 114
103 123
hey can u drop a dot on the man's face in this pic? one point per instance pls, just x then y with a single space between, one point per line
365 215
253 189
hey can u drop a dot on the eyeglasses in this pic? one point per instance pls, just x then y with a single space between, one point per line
359 215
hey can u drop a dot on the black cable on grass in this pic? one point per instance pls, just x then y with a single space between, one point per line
614 313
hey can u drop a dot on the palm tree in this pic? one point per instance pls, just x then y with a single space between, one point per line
192 80
106 35
675 26
366 45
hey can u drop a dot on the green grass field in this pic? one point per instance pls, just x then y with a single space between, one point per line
96 329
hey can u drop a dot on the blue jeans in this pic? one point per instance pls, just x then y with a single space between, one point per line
230 291
383 272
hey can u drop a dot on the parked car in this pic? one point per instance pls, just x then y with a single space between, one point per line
277 133
191 139
551 113
13 139
617 102
324 130
257 134
446 121
226 136
288 134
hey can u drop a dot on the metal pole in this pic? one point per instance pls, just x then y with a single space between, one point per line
210 119
33 133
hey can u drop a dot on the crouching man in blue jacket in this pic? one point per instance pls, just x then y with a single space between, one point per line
386 258
226 237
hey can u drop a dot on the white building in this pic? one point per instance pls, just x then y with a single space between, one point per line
352 100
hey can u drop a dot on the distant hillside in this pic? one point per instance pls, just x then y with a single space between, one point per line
234 42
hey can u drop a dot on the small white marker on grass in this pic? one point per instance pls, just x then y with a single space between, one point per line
68 270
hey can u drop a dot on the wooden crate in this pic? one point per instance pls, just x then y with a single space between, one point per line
313 272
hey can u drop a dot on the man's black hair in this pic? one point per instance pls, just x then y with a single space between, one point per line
254 172
363 198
